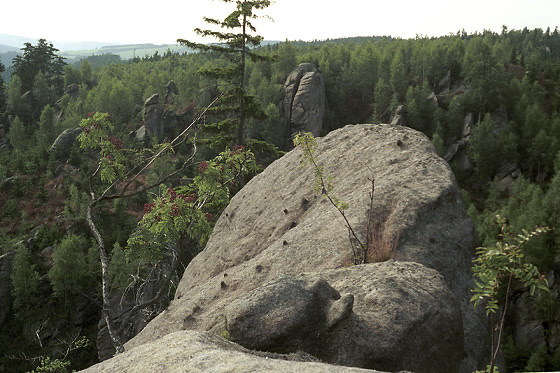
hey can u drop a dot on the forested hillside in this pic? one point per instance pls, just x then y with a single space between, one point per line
489 102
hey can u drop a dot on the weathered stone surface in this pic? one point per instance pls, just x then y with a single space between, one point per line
170 91
397 118
277 225
403 318
194 352
65 140
72 90
151 120
286 314
305 100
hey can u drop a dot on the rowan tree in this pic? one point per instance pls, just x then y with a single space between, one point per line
185 210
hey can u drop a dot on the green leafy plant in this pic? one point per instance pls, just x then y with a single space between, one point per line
187 209
376 245
498 265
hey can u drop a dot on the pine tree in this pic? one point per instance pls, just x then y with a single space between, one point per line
237 43
41 57
46 133
2 93
69 271
25 281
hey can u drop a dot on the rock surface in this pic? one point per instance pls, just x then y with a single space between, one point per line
402 318
193 352
151 117
157 120
276 225
65 140
305 100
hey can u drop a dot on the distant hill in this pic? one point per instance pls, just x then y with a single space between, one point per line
19 41
10 46
125 52
7 48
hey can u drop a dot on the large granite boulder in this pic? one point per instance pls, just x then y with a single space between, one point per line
63 143
305 100
403 318
202 352
276 225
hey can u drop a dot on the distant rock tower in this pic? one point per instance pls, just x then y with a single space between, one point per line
305 100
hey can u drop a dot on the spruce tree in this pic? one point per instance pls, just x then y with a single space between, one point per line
25 282
234 106
40 57
2 93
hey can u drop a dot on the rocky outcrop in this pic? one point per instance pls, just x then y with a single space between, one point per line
170 91
276 225
537 324
72 90
402 318
151 120
397 117
201 352
157 121
62 144
305 100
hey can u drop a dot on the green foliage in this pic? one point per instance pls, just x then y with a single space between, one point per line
308 144
41 92
119 268
234 105
51 366
505 261
19 136
365 78
538 360
36 58
76 204
489 146
501 263
2 93
69 273
96 135
46 134
25 281
189 210
112 96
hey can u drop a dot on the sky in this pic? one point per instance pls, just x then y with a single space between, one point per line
163 22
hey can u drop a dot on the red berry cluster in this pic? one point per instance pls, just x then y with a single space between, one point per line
202 167
191 197
148 207
175 211
117 143
238 149
172 194
209 216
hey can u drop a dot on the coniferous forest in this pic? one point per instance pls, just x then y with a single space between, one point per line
490 103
